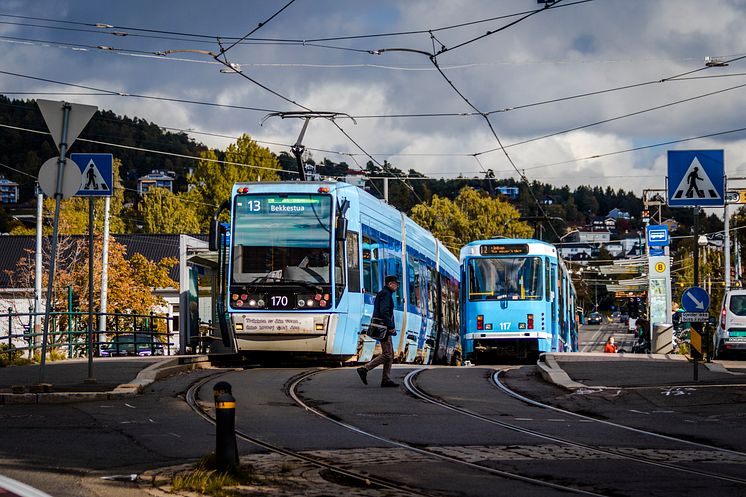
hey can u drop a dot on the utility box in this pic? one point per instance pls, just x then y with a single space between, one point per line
662 339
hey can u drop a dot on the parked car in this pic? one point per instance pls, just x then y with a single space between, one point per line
730 335
140 344
595 318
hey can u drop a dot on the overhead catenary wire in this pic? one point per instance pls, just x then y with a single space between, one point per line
186 36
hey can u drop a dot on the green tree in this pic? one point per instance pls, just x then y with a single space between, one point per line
473 215
164 212
212 181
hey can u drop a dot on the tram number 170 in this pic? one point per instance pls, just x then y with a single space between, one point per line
279 301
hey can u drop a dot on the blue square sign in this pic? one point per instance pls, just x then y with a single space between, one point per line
657 235
98 174
696 178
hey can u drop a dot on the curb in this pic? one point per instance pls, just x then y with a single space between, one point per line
552 373
148 375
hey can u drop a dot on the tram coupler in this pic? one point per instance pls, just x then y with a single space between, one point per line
226 447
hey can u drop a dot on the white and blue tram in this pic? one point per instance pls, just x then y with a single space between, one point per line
304 261
517 300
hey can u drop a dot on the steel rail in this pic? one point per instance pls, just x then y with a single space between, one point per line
516 395
416 391
366 480
505 474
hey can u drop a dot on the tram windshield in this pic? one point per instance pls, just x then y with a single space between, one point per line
505 278
282 239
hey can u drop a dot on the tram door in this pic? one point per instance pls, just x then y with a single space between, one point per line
555 297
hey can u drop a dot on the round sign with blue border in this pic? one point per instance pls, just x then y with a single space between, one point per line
695 299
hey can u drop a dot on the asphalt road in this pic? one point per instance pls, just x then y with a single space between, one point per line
65 450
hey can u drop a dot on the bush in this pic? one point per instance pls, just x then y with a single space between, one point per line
10 356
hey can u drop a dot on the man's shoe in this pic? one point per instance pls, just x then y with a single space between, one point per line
363 373
389 383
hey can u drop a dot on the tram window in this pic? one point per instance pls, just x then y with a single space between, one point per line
432 285
371 266
505 278
413 274
353 262
339 268
394 267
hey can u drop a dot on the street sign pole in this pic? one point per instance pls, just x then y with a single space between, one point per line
64 131
55 230
90 378
695 327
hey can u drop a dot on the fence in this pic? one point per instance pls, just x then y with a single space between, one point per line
126 334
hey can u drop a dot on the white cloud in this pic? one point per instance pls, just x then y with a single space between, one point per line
558 53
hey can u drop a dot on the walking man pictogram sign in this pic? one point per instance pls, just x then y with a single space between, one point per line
97 171
696 178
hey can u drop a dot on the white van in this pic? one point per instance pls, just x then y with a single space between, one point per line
731 330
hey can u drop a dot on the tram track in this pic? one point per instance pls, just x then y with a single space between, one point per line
500 385
365 480
293 392
411 385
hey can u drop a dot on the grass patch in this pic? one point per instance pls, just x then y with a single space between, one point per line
207 480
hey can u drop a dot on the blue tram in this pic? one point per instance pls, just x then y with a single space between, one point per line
304 261
517 300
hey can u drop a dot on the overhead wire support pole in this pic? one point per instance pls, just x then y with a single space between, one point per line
298 148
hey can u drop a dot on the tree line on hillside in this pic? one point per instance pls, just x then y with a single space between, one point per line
550 210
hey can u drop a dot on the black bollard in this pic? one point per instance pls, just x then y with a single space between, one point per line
226 448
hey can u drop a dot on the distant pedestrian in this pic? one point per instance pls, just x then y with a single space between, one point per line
383 309
610 347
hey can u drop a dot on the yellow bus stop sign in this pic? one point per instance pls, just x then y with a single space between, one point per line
660 267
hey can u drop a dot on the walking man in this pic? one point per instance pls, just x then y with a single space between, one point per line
692 179
383 309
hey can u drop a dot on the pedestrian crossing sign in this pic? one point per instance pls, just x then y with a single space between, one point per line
696 178
97 171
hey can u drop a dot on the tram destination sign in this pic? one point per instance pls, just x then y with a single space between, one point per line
504 249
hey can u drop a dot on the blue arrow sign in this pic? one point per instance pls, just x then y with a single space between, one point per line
695 299
98 174
696 178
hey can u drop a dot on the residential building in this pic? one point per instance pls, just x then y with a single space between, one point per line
156 179
8 191
618 214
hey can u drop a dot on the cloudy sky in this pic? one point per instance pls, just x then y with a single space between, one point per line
339 56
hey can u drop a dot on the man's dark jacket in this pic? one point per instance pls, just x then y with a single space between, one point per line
383 307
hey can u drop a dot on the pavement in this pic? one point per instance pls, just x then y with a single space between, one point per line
110 378
582 370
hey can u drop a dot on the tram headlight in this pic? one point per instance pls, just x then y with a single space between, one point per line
310 302
252 303
301 303
260 303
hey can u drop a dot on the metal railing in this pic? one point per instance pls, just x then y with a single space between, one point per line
126 334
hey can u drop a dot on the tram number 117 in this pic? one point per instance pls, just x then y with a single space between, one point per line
505 326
